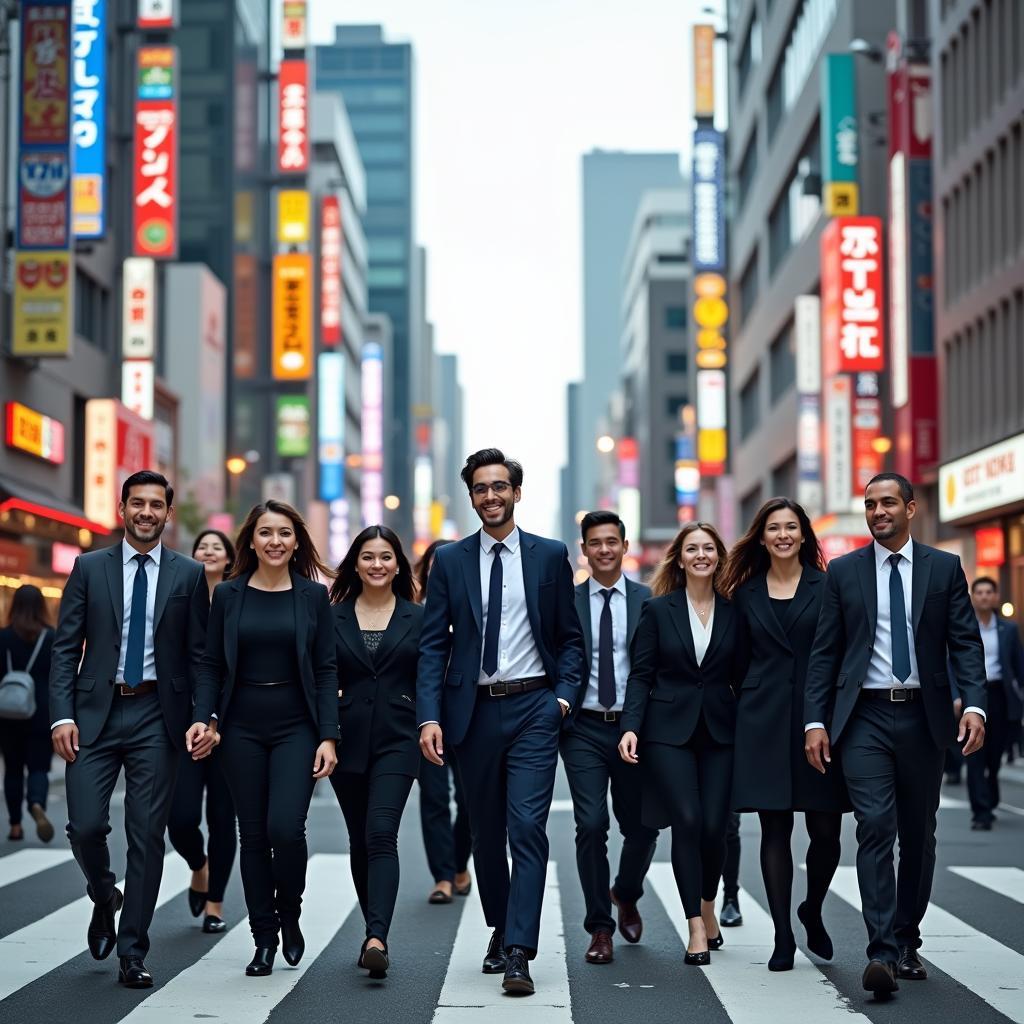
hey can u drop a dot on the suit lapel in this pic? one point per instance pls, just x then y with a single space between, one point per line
723 613
762 610
115 580
232 614
681 620
164 582
920 576
634 602
867 574
806 590
300 588
398 625
471 572
528 557
583 610
347 626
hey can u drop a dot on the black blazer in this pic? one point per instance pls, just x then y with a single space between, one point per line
667 689
1011 661
943 620
92 617
377 692
314 642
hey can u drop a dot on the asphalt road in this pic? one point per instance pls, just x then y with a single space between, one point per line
974 943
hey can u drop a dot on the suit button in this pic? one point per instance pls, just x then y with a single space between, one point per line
368 700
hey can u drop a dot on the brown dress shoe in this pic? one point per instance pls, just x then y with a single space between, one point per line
631 924
600 949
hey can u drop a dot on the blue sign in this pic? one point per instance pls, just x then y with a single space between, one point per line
921 292
708 190
89 118
330 371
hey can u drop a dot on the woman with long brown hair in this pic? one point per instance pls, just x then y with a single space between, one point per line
775 580
269 674
25 646
679 717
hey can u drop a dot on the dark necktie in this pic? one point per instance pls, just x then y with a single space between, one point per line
606 655
137 625
898 621
493 613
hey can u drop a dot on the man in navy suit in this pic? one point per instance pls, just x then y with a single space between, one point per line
501 654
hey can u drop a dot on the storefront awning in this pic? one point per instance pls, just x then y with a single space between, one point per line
16 496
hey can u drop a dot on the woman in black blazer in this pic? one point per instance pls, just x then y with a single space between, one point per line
377 632
270 676
775 578
680 712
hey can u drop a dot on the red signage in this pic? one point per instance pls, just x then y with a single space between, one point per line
989 546
330 271
293 117
852 328
867 425
46 97
155 206
117 443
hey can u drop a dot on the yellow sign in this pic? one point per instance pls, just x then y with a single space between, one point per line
43 307
244 217
293 317
703 70
293 217
711 446
841 198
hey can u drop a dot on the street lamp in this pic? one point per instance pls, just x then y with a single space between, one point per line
881 445
606 444
236 465
392 502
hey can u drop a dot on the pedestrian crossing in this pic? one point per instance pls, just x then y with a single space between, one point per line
209 985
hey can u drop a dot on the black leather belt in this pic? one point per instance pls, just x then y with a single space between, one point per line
507 687
123 690
601 716
261 682
892 695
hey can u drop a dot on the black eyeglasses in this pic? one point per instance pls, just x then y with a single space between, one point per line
499 487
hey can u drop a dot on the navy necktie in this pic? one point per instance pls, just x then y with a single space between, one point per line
898 621
133 658
493 612
606 655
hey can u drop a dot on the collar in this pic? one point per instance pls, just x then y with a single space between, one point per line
993 623
882 553
128 553
511 541
619 585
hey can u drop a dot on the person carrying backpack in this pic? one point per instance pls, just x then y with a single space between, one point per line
25 646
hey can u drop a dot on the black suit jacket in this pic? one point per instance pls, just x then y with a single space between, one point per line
314 643
1011 661
377 692
92 617
943 621
667 689
636 595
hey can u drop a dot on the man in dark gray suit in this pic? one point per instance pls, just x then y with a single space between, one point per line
139 610
609 606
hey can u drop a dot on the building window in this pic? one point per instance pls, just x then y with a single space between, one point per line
750 504
775 108
781 364
748 169
779 239
784 478
386 277
386 250
749 285
384 150
794 213
750 405
750 54
673 404
676 362
375 122
386 185
675 318
92 309
810 27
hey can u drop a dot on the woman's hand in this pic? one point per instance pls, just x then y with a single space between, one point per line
326 759
627 748
201 739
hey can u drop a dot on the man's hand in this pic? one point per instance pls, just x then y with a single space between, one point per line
432 743
817 749
201 739
564 705
627 748
972 725
65 741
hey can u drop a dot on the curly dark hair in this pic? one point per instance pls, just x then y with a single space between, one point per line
306 561
347 583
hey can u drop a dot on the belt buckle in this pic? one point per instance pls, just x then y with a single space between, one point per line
124 690
498 693
901 699
610 716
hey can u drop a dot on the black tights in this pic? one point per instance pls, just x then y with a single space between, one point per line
823 828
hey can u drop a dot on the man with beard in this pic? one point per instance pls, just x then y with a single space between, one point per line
501 654
139 610
878 691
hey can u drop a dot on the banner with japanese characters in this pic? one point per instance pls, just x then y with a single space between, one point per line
293 117
89 118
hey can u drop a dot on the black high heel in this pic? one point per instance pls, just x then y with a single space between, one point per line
213 925
293 945
717 942
262 962
702 959
374 960
196 901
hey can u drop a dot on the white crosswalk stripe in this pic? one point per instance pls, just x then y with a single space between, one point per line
987 967
1007 882
26 863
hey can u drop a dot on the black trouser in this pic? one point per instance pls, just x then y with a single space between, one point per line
187 813
135 737
731 866
267 756
24 749
372 804
448 844
893 772
590 752
694 783
983 765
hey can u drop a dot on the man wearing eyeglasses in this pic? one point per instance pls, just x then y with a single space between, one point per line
501 656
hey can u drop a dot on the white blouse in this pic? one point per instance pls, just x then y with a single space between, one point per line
701 632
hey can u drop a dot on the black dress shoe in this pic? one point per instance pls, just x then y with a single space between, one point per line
375 960
133 974
495 958
783 955
819 942
880 978
730 916
909 966
262 962
213 925
293 945
102 929
517 973
196 901
981 825
701 959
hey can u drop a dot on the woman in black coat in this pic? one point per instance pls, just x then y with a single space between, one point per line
776 580
679 717
377 632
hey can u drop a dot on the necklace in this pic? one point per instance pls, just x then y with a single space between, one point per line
374 616
702 613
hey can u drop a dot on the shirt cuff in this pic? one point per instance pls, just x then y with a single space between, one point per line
430 722
565 704
814 725
977 711
71 721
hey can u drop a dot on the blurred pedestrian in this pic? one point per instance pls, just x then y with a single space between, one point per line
448 843
211 867
269 675
679 720
377 635
25 645
731 915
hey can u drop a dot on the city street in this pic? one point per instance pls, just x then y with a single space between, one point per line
974 943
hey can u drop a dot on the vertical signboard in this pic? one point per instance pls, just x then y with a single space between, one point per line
43 304
89 119
137 382
838 444
330 271
840 140
157 15
155 169
293 216
292 341
117 444
138 308
807 336
330 417
372 428
292 426
245 303
293 25
703 71
293 117
708 200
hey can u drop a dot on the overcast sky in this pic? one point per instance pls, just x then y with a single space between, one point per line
509 95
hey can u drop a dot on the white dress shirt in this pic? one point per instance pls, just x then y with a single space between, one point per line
620 644
701 632
518 657
990 640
